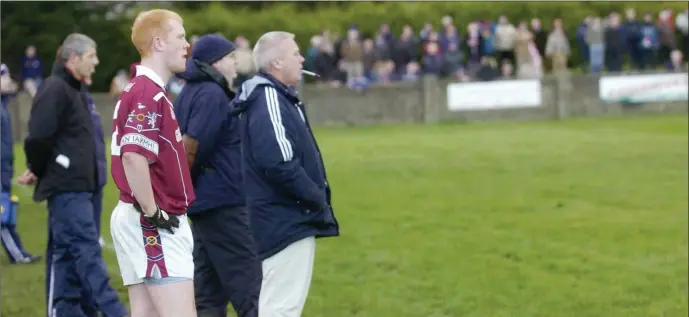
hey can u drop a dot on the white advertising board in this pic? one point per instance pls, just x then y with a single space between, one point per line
502 94
644 88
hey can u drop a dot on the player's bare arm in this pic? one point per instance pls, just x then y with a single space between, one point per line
139 180
191 145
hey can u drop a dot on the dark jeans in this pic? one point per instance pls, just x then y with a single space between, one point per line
226 266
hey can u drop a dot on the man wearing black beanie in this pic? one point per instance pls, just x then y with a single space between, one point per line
226 266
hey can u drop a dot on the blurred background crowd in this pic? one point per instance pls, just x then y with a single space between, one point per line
480 50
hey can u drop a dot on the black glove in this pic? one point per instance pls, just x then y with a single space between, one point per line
160 219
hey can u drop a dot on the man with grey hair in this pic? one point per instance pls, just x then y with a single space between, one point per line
61 161
287 192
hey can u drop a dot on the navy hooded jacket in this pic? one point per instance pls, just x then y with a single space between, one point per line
203 112
287 192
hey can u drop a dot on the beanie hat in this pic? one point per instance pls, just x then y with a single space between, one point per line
211 48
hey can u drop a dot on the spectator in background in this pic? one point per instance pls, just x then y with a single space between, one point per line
325 62
540 36
677 60
118 83
448 35
352 54
312 52
383 46
666 34
505 38
412 72
383 72
682 24
536 63
453 61
32 70
557 47
245 61
405 49
649 42
432 58
632 35
368 57
426 31
175 86
507 71
473 46
487 71
521 45
487 40
581 41
526 54
596 44
9 236
614 44
386 33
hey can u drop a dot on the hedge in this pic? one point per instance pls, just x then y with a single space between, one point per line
226 18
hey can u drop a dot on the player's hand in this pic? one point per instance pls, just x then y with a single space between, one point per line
27 178
160 219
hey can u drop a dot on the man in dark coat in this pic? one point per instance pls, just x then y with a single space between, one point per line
226 267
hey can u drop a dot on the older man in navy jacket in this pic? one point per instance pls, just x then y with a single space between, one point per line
226 265
101 163
288 195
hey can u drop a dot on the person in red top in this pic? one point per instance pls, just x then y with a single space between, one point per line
149 226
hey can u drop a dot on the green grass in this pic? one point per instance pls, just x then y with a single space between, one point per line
549 219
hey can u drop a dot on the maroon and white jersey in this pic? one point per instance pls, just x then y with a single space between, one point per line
145 123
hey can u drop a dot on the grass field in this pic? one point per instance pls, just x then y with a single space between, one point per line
551 219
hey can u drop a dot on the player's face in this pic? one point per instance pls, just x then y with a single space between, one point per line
227 66
176 46
86 63
291 62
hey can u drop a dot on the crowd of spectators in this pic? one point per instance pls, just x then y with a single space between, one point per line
484 50
487 50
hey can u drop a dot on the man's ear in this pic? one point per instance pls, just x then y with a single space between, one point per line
157 44
73 57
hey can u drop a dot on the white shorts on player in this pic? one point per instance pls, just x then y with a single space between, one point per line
147 254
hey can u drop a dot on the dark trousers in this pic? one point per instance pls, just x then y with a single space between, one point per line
649 59
636 56
226 266
97 201
613 59
506 56
77 282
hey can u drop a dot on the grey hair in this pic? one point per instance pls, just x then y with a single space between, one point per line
75 43
267 49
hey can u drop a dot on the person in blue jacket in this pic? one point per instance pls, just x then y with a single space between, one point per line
9 203
226 267
101 163
287 191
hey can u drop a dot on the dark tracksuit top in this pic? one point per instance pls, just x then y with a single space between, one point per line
287 192
203 112
59 148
